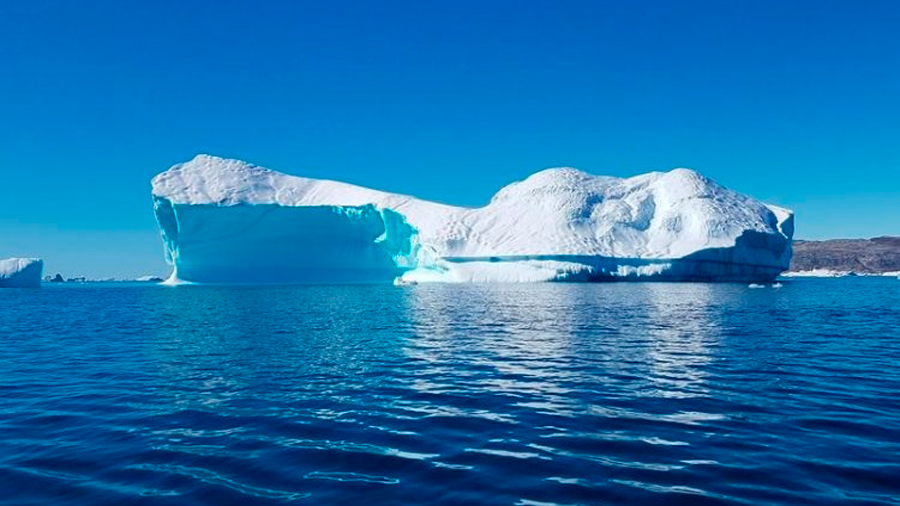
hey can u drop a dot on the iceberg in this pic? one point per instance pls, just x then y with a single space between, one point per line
227 221
21 272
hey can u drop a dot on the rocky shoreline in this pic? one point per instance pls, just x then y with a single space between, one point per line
843 257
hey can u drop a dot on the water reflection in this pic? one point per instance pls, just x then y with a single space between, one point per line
682 328
576 363
474 394
510 341
542 342
213 344
371 369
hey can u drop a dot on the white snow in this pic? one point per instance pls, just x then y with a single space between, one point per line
21 272
218 215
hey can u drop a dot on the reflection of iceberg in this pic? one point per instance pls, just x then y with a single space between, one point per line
521 350
228 221
538 345
21 273
679 349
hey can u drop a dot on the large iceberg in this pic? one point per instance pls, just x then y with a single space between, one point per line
225 221
21 272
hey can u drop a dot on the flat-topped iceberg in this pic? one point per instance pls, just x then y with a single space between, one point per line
230 221
21 272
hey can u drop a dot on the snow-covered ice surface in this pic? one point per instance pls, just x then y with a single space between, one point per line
21 272
230 221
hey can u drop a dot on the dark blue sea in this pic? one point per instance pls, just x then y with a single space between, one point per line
544 394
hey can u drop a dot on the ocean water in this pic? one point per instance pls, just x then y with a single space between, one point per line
476 394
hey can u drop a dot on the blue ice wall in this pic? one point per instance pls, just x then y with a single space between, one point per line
279 244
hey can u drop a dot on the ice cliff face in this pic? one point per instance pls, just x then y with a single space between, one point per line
229 221
21 273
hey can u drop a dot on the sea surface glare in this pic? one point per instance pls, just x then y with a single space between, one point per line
451 394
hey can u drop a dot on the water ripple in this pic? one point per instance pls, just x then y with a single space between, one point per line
451 395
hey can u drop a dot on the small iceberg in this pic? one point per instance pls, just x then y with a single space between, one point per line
757 285
149 279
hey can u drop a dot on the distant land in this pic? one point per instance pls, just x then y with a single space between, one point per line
861 256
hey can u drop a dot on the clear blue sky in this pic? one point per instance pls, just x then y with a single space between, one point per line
794 102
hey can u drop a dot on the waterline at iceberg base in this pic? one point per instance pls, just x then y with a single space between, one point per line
227 221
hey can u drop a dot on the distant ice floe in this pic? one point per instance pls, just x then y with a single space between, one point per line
149 279
815 273
227 221
758 285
